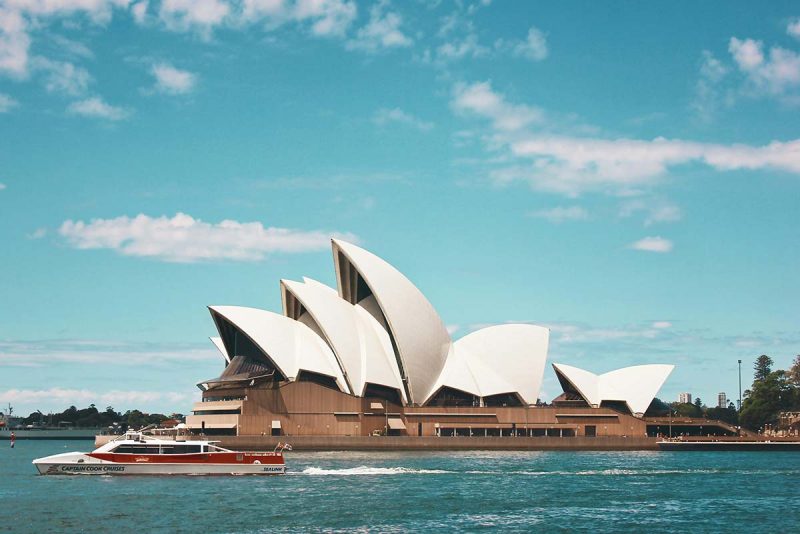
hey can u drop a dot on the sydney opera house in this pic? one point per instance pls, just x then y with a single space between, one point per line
372 357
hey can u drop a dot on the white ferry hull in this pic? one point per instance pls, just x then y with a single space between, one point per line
157 469
75 463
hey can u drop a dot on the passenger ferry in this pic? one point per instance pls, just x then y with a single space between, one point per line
138 454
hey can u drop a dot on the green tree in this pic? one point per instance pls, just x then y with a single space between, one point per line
767 398
698 403
687 409
762 367
794 371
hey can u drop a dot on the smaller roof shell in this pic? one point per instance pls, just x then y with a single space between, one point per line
637 385
507 358
290 345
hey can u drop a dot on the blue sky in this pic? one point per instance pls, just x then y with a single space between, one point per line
627 174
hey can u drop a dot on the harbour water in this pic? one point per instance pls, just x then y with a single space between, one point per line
420 491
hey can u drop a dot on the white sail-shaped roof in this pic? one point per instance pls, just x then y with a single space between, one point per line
290 345
637 386
361 345
420 336
499 359
217 341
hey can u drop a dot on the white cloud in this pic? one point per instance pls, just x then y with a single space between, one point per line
254 9
139 11
573 165
39 233
173 81
382 31
108 353
461 48
561 214
71 47
95 107
200 15
6 103
2 186
14 43
62 76
793 28
18 16
653 244
773 74
655 211
183 238
330 17
662 324
98 10
481 100
707 89
385 116
534 47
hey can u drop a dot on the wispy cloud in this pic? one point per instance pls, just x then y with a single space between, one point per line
708 94
793 28
139 11
39 233
327 18
62 76
574 165
561 214
383 31
7 103
14 42
200 15
653 244
183 238
19 17
655 211
96 107
772 73
41 353
386 116
481 100
173 81
2 186
533 47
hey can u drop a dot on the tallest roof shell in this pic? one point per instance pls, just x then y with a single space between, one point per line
419 336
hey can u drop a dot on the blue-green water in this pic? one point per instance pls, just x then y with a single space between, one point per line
419 491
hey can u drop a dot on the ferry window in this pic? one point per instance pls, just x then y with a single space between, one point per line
137 449
181 449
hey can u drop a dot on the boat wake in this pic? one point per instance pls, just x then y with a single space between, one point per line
364 470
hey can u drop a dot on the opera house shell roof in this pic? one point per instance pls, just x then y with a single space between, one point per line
634 386
377 335
376 332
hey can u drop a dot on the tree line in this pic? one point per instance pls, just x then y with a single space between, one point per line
772 392
92 417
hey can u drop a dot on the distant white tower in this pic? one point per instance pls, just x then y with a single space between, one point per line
722 400
685 398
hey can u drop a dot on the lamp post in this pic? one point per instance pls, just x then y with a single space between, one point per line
740 385
670 423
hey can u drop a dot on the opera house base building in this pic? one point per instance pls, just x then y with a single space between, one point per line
370 365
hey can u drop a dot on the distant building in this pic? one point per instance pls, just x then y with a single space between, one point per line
722 400
685 398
